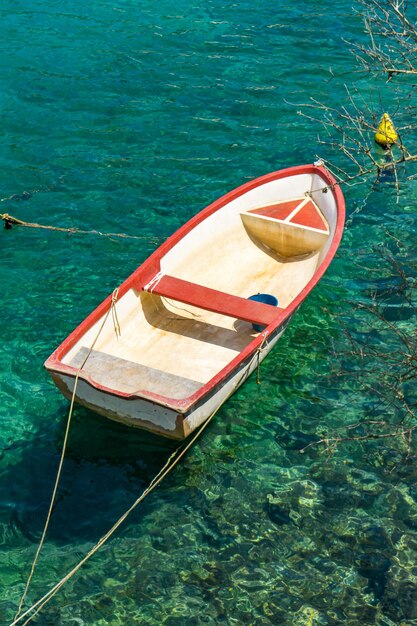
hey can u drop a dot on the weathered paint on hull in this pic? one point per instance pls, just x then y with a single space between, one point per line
154 417
137 412
224 391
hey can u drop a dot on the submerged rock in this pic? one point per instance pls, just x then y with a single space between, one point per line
278 514
374 567
294 439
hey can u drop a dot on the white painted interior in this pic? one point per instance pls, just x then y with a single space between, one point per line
189 345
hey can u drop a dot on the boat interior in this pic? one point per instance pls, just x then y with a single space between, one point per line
195 316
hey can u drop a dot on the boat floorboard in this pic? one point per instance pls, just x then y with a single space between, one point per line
130 377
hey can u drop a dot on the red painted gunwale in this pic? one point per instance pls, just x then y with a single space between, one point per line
151 266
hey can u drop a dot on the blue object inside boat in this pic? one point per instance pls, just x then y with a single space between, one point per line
266 298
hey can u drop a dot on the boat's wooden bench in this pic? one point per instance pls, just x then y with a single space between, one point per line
213 300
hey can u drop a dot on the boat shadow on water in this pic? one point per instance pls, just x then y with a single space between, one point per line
106 467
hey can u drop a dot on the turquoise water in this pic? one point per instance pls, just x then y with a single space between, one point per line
130 117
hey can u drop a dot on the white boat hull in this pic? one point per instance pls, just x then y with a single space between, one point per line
154 417
187 328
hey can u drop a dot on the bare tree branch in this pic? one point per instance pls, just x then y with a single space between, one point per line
349 130
375 358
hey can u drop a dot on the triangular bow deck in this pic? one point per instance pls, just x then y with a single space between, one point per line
291 228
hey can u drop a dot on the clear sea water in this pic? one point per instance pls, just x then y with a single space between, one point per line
130 116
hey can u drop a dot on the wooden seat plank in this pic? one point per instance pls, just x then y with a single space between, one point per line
215 301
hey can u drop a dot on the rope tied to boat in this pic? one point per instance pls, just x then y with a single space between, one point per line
153 282
10 221
258 356
116 324
111 309
169 465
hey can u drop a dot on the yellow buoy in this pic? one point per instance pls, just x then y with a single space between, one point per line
386 135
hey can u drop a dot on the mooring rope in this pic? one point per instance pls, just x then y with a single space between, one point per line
169 465
258 357
112 309
9 221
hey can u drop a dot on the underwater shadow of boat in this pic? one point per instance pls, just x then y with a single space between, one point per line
106 467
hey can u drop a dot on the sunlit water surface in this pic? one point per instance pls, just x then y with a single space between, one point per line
130 117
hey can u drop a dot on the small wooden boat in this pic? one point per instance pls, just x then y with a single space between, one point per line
190 334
